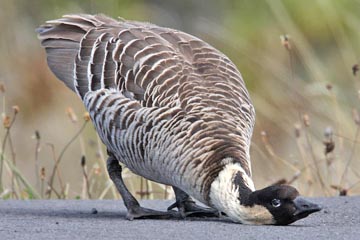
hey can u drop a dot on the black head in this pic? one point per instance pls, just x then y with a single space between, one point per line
284 203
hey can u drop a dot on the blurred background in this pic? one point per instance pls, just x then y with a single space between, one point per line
298 59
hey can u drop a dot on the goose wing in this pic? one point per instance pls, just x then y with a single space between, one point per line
132 76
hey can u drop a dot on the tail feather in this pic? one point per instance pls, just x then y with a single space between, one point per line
62 38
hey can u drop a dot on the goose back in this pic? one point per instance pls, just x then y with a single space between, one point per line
168 105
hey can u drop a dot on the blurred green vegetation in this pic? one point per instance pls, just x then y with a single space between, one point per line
301 88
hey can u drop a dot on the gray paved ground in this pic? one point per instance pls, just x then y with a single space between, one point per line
73 219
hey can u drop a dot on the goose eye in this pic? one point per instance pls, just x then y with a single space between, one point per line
276 202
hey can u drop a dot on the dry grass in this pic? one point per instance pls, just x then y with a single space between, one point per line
302 74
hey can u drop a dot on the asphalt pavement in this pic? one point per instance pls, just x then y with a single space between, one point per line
105 219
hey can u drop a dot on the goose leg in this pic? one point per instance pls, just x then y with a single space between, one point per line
135 211
188 208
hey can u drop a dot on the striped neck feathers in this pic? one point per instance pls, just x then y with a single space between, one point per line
231 193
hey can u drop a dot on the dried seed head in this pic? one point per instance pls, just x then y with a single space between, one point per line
37 135
342 191
329 86
328 132
329 147
264 136
356 116
83 161
355 69
97 169
306 120
2 87
71 114
6 121
328 142
16 109
48 190
285 41
86 116
42 173
297 127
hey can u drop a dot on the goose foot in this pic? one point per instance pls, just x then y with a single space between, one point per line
135 211
138 212
188 208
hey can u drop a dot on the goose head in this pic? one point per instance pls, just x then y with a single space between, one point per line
234 194
283 202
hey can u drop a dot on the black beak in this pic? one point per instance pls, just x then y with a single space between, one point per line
304 208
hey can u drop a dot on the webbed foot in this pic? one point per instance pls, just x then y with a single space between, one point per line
139 212
188 208
135 211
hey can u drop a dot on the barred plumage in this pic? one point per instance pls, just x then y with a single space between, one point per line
166 104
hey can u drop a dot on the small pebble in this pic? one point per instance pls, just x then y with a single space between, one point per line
57 223
94 211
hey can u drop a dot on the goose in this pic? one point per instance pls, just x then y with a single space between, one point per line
172 109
